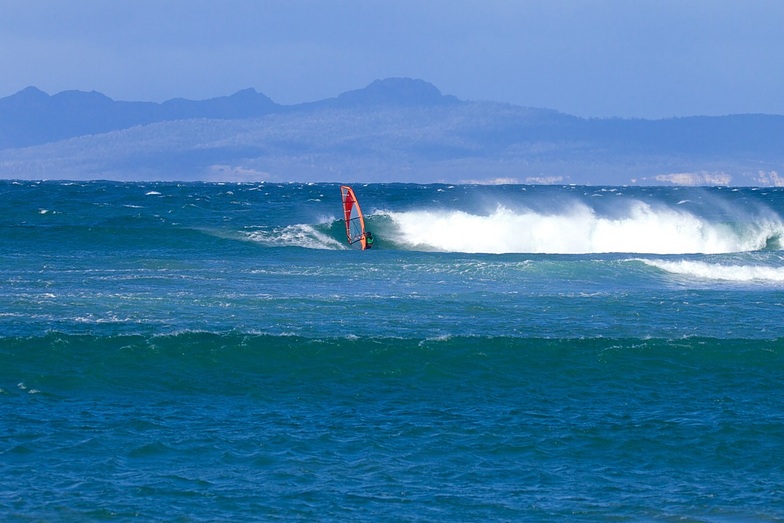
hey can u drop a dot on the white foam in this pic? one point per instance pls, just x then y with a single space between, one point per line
719 271
579 229
301 235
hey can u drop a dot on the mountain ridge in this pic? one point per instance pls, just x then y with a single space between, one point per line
395 129
26 117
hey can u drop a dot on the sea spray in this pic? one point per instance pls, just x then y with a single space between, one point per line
642 228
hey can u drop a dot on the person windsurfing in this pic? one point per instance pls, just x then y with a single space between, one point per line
354 220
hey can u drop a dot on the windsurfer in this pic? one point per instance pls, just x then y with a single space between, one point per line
368 240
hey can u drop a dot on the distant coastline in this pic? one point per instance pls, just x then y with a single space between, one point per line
393 130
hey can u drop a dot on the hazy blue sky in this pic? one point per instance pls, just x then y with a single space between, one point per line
632 58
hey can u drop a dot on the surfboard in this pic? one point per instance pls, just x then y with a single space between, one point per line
352 215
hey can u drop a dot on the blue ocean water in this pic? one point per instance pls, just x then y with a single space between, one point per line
203 351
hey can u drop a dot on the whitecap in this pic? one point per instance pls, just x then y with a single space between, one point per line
720 271
637 227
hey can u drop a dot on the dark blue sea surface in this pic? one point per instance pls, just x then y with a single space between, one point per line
215 352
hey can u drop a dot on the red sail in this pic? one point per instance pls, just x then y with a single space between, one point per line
352 215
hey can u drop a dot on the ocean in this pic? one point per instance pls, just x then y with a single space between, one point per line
218 352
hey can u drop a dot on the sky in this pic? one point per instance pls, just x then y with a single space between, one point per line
591 58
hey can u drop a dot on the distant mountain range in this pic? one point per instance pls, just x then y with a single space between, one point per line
393 130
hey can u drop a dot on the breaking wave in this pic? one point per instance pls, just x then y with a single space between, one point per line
640 228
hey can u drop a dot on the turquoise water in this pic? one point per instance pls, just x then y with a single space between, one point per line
517 353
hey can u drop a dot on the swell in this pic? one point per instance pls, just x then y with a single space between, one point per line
458 428
238 363
142 239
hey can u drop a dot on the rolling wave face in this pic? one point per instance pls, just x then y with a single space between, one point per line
640 228
210 364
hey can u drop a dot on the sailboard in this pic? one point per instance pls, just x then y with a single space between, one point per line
352 215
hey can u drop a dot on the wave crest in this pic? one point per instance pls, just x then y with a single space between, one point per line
640 228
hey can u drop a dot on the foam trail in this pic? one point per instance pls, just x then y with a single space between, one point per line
718 271
301 235
641 228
